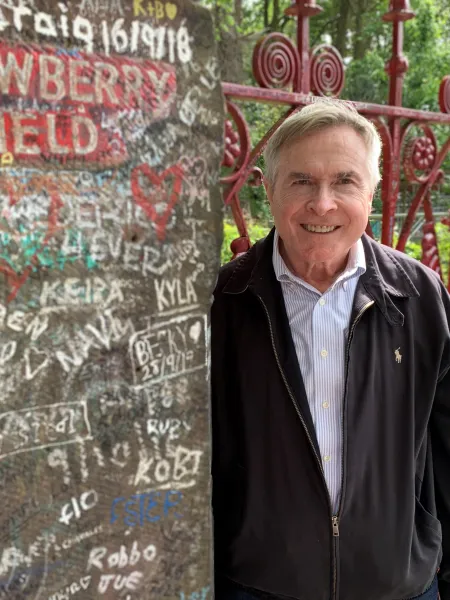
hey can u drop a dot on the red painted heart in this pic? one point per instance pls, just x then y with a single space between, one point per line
148 201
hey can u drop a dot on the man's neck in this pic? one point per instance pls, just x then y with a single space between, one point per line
319 275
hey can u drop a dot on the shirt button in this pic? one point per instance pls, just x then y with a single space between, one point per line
322 301
345 285
327 458
324 353
326 404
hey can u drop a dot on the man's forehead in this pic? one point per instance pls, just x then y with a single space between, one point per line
344 133
331 142
322 161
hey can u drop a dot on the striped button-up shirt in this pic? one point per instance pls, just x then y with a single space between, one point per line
319 325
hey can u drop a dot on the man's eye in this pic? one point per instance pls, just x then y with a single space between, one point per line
345 180
302 181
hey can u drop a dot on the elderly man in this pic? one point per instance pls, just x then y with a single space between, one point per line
330 389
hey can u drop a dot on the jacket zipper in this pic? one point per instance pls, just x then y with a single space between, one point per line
334 518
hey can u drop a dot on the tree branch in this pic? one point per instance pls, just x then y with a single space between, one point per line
331 21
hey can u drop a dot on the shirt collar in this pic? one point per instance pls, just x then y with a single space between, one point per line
356 263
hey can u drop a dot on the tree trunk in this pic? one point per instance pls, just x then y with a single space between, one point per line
360 42
230 45
238 12
266 14
342 26
276 16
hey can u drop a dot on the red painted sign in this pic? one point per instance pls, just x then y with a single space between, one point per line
58 105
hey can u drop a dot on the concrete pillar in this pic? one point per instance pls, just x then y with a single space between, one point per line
111 132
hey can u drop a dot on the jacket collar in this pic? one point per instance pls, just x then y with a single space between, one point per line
384 280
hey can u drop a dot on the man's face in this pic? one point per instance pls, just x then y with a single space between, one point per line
322 195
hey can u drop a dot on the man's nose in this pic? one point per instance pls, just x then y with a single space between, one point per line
322 200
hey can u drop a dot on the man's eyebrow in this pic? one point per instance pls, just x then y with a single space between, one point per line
347 175
340 175
299 175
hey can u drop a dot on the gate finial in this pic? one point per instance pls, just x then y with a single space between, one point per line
304 8
399 10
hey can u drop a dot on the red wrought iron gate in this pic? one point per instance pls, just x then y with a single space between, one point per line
294 75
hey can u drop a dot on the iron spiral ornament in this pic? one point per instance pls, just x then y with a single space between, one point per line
444 94
276 63
327 71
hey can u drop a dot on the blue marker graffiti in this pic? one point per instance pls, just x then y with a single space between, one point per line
142 508
200 595
20 579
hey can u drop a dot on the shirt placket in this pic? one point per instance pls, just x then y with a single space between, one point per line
325 400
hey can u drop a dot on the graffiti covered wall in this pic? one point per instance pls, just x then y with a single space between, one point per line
111 126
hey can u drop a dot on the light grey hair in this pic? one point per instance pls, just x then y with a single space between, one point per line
319 115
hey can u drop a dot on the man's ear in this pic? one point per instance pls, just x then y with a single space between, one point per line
269 189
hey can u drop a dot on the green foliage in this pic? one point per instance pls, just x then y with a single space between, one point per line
443 236
428 51
230 233
223 12
414 248
366 79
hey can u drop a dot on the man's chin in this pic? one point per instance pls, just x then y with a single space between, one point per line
320 252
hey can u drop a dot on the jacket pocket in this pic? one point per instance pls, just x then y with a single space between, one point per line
425 554
425 519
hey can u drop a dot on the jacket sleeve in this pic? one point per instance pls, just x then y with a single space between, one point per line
440 431
221 382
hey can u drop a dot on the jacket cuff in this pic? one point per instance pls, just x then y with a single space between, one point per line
444 589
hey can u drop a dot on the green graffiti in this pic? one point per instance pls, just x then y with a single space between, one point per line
32 250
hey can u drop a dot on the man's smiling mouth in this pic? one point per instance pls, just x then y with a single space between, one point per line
320 228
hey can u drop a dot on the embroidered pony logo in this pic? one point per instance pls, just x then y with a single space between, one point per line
398 356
